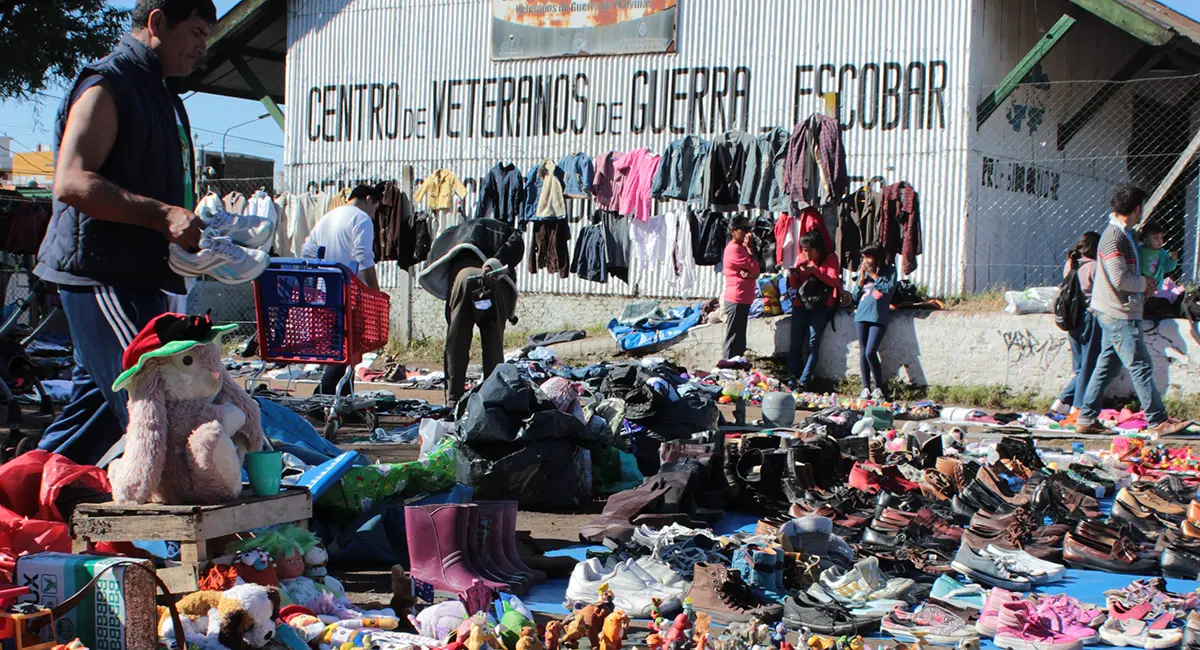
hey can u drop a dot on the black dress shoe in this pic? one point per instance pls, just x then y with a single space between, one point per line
977 496
1181 561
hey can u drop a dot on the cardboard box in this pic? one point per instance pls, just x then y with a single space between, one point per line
120 614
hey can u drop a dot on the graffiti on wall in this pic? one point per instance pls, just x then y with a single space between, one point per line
1026 347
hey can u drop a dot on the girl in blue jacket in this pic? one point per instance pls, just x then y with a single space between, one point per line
876 287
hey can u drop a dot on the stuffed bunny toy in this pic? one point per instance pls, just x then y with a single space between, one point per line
190 424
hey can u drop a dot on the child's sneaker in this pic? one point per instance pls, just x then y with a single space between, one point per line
244 229
220 258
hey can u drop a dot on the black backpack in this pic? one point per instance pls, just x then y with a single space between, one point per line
1071 303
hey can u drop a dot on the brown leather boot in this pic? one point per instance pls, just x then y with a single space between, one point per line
720 593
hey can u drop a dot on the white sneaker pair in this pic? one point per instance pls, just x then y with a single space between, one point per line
229 249
633 588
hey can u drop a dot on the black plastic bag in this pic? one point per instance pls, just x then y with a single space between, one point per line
541 476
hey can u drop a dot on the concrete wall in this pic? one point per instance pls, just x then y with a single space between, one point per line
1024 353
536 312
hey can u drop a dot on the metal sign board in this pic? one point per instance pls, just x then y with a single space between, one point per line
544 29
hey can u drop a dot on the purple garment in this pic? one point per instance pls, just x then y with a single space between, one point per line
816 180
609 182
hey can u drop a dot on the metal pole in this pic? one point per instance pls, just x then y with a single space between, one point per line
226 135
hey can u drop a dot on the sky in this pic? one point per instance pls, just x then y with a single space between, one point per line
31 123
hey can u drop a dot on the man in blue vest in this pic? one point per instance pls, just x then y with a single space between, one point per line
124 190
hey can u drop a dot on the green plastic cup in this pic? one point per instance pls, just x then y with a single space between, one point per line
265 470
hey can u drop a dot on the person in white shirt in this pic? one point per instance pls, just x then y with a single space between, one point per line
346 235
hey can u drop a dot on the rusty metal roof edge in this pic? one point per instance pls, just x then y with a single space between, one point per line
226 37
1165 17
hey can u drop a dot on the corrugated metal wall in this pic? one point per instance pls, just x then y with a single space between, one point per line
902 69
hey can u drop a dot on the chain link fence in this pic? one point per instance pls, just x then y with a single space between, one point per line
1048 158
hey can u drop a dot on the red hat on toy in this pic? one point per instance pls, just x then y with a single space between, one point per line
166 335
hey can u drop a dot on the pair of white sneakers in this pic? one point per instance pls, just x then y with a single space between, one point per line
229 248
635 585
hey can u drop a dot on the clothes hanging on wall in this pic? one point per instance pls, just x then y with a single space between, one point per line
588 261
762 187
900 224
861 212
23 224
763 229
790 228
616 244
649 239
393 227
544 192
550 247
639 167
608 183
439 189
710 233
337 200
679 246
815 172
262 205
683 170
727 166
502 194
235 203
578 172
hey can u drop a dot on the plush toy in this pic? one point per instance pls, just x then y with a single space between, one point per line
288 544
240 618
257 566
403 601
315 560
190 424
481 637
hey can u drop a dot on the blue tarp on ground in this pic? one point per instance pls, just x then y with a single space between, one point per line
654 332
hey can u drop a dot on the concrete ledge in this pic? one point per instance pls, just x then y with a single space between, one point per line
1024 353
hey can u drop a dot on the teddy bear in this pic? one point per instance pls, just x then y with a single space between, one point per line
239 618
190 424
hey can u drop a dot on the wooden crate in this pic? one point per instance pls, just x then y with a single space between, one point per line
192 526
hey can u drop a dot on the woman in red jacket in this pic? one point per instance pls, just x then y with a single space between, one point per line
741 273
814 285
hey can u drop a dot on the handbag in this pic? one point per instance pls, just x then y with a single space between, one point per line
814 293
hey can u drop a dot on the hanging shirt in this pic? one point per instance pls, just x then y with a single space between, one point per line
439 189
649 241
679 247
235 203
502 195
639 168
609 183
578 171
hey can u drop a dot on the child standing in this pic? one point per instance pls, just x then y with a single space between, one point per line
876 287
741 273
1156 262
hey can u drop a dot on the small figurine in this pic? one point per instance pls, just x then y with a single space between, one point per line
969 644
700 632
553 635
615 627
677 635
481 637
655 609
654 641
785 645
689 610
587 622
528 640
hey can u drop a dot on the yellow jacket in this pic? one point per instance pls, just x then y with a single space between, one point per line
438 190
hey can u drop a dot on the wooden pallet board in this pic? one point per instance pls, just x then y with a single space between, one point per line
192 526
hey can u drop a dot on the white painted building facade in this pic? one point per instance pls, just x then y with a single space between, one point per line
374 86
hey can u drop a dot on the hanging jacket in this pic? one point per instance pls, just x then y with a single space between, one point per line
639 167
549 247
710 233
762 186
578 172
731 151
608 183
860 212
439 189
683 170
502 194
789 229
815 173
900 225
588 261
764 243
145 160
